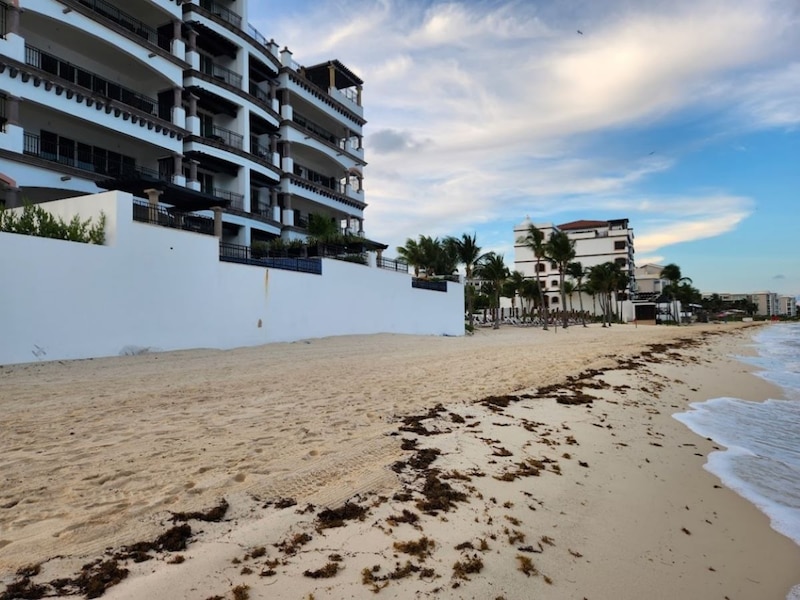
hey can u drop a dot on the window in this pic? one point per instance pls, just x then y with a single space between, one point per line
619 245
2 113
553 266
554 283
554 300
542 267
622 262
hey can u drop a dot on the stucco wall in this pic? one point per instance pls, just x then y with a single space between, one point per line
158 288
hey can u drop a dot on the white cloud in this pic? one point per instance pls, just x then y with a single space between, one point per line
480 112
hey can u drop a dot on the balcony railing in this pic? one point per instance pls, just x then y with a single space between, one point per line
260 94
144 212
225 136
236 201
259 149
88 80
86 158
209 67
392 264
223 13
111 12
245 255
315 129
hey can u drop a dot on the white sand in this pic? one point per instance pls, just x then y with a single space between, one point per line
97 453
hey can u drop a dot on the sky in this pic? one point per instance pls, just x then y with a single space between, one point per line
682 116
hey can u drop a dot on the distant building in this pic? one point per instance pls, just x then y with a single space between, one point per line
596 242
766 303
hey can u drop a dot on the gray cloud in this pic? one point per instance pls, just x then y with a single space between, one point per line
387 141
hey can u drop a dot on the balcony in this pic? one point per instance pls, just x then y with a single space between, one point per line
317 130
209 67
144 212
260 150
87 80
223 136
236 200
223 13
124 20
85 157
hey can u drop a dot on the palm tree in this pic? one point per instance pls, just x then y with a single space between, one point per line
512 288
412 254
534 239
569 290
494 270
603 279
672 273
468 253
575 270
529 291
561 250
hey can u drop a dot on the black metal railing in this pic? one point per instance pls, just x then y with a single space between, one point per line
260 94
259 149
225 136
88 80
86 158
393 264
123 19
317 130
257 35
209 67
245 255
223 13
425 284
235 200
144 212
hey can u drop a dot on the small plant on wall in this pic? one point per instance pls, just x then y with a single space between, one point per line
36 221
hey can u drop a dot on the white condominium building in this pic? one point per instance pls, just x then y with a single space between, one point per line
596 242
185 105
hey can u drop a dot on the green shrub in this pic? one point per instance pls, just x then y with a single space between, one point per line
36 221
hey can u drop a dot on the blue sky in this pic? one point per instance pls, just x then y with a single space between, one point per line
682 116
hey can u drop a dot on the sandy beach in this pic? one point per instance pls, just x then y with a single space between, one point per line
509 464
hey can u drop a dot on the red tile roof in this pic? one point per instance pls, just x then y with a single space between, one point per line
583 224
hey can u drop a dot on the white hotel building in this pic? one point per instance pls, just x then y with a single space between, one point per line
596 242
183 104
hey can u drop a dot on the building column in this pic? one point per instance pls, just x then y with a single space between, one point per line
178 115
193 183
273 203
152 196
217 222
360 227
358 95
331 77
192 120
288 213
178 47
287 163
12 110
177 170
12 18
192 55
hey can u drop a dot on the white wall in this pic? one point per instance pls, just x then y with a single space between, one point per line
153 287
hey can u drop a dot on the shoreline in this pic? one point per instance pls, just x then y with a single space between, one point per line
643 474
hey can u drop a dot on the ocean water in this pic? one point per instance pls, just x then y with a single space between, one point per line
761 460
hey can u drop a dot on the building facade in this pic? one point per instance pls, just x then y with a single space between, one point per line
183 103
596 242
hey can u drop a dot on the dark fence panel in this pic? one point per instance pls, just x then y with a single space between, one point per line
425 284
392 264
243 255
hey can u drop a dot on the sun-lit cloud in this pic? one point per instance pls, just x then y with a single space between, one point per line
483 112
